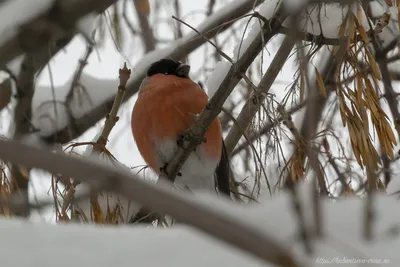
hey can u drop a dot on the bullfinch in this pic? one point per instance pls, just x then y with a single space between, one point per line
167 105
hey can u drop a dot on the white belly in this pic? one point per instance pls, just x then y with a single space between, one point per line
197 172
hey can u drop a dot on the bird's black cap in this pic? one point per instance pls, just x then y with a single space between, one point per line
169 67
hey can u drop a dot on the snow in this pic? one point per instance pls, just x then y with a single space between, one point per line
214 81
325 21
89 245
328 18
15 65
49 117
91 92
106 200
51 114
15 13
394 186
86 25
73 245
342 223
294 5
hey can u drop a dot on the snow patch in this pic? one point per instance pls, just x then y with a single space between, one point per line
90 245
86 25
218 75
15 13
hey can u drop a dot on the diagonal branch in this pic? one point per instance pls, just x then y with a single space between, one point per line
252 105
194 136
215 24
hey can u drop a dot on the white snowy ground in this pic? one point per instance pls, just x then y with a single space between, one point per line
85 245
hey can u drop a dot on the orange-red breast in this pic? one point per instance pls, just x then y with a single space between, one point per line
166 107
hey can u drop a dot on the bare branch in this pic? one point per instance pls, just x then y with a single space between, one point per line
22 119
146 33
255 101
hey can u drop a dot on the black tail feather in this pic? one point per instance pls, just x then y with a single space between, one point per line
223 172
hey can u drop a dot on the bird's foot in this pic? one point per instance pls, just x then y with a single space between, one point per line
179 142
163 170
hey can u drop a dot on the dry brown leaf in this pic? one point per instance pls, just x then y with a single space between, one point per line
391 136
362 32
352 29
343 116
341 34
373 64
321 83
359 90
354 142
380 185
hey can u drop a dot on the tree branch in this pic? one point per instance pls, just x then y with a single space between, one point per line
22 119
252 105
194 136
146 33
182 205
56 22
177 50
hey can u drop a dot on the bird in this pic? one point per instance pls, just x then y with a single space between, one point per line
167 105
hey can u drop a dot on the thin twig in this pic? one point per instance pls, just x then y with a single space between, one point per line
290 184
253 104
369 205
100 145
222 53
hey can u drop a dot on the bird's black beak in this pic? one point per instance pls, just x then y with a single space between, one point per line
183 71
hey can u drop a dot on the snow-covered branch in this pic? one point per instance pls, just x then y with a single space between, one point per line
161 198
180 246
41 21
